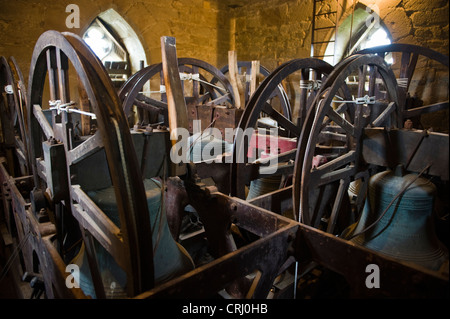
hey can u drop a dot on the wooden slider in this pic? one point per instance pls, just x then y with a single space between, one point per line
84 106
254 76
178 118
236 80
175 99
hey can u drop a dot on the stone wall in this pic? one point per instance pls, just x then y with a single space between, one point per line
280 30
200 26
272 31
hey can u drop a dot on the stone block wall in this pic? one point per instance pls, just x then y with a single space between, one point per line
272 32
201 27
280 30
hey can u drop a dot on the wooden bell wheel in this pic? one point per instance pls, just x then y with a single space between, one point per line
13 106
149 109
21 117
412 66
203 84
334 130
310 72
14 165
68 65
279 94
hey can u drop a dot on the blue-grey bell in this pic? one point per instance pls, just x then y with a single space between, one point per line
406 230
263 186
170 259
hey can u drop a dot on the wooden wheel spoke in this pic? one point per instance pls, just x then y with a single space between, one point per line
52 73
209 87
279 158
277 164
63 76
330 177
332 151
348 127
385 114
88 147
336 169
373 75
221 99
150 103
281 119
327 136
95 220
362 73
42 120
341 192
204 97
147 106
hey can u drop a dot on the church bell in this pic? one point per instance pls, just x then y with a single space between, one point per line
263 186
397 220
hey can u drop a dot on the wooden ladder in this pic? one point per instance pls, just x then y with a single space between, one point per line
320 29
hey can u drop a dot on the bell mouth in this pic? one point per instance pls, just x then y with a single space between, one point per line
397 220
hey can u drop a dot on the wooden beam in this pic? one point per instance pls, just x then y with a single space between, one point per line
175 99
178 118
254 76
235 80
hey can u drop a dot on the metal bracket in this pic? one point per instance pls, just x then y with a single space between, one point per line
66 107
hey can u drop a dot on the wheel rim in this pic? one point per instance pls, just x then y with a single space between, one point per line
130 91
279 92
114 138
348 164
257 104
410 57
13 109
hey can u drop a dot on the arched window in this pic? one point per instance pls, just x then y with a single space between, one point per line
116 44
101 41
360 30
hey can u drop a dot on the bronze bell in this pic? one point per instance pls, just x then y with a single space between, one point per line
406 230
263 186
170 259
